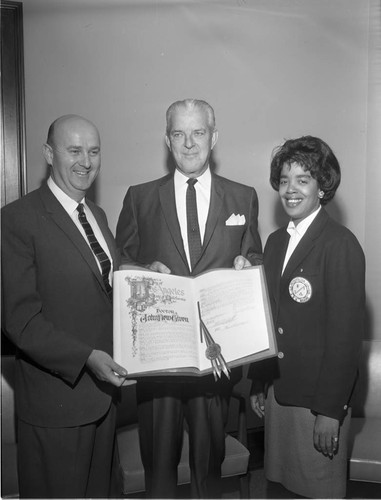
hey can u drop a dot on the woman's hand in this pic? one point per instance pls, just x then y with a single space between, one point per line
326 435
257 402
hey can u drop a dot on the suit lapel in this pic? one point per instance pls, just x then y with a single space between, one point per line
305 245
168 205
65 223
274 263
216 200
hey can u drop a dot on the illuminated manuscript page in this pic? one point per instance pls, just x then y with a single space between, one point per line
154 321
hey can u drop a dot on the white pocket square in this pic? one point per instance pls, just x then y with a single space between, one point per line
235 220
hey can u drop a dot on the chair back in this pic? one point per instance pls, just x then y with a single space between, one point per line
8 419
9 478
366 399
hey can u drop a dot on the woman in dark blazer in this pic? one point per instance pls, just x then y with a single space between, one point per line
315 270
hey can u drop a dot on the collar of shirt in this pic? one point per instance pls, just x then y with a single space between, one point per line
204 181
303 225
68 203
203 189
70 206
296 234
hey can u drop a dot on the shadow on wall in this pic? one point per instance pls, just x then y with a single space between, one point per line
335 211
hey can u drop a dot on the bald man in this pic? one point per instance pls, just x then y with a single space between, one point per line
58 312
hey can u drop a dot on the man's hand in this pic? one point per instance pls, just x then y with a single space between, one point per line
326 435
240 262
105 368
156 266
159 267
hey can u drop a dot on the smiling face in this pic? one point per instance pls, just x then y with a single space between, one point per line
298 191
191 139
74 155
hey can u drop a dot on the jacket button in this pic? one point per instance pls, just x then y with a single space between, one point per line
280 355
280 330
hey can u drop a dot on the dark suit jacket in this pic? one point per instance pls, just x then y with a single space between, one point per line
148 229
56 311
320 339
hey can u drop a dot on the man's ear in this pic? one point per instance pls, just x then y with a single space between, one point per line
47 151
168 142
214 138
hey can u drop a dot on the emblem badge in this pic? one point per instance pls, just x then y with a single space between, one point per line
300 289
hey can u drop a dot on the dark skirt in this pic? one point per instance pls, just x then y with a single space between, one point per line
292 460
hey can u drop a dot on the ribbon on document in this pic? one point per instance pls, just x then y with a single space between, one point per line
213 350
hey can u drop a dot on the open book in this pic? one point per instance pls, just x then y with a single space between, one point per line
171 324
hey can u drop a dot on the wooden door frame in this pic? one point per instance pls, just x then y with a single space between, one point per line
12 125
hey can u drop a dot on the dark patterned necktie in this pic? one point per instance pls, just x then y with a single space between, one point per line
194 237
98 251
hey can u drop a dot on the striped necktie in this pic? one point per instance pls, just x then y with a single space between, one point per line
98 251
194 236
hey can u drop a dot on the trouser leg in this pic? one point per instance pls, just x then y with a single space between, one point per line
58 462
160 432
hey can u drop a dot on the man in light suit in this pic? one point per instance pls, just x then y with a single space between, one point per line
58 312
152 231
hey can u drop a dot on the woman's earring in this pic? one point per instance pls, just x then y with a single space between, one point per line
321 194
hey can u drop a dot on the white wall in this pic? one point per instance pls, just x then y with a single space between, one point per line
272 69
372 223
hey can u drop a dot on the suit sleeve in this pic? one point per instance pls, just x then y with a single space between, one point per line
263 372
23 311
127 232
251 243
344 326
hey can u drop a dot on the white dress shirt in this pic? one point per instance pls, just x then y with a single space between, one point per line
70 207
203 188
296 234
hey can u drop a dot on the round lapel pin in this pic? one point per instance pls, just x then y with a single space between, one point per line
300 289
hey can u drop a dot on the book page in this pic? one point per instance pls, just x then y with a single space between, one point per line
154 321
232 309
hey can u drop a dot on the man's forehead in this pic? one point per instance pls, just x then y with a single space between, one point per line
76 132
193 119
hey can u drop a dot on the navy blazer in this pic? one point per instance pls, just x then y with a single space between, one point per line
319 333
56 310
148 229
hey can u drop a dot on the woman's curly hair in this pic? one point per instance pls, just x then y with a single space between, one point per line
314 156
